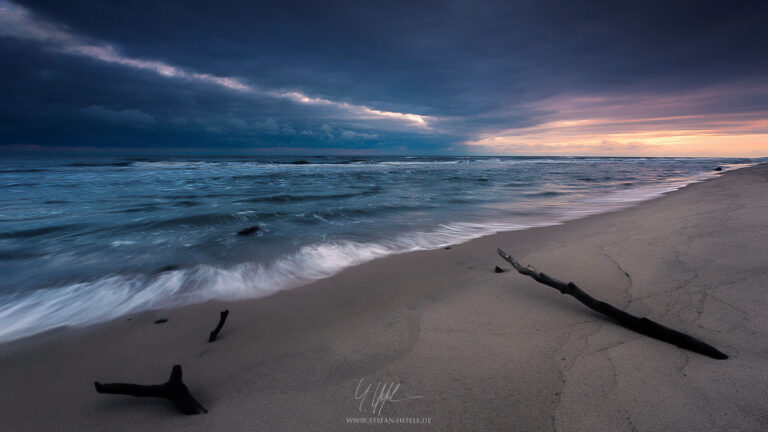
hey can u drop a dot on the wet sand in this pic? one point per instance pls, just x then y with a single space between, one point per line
484 350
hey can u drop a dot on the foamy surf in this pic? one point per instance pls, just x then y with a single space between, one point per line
363 211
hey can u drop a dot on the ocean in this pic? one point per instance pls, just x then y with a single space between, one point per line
90 239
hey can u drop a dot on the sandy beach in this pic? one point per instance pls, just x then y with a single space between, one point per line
476 350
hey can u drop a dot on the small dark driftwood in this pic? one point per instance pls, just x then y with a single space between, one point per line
173 390
222 320
498 270
640 325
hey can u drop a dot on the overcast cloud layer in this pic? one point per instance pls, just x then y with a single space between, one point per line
443 77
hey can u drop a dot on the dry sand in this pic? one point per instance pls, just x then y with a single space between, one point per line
486 351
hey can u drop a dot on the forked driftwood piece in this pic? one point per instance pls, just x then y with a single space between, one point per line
640 325
222 320
173 390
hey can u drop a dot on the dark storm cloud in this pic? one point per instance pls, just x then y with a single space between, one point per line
471 68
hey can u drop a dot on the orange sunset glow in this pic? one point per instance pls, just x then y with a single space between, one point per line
674 125
576 138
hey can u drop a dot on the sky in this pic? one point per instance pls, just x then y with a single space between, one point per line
544 77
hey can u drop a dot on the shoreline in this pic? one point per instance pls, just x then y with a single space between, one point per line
485 350
74 299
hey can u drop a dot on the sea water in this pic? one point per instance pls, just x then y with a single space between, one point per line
89 239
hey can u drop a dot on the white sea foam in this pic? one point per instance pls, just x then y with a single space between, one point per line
171 164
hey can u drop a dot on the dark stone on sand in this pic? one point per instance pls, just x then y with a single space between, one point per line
498 269
249 230
447 247
161 320
718 169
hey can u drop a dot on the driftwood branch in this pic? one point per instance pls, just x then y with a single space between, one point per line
640 325
173 390
222 320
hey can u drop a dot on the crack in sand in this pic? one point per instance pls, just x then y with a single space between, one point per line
617 344
628 289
